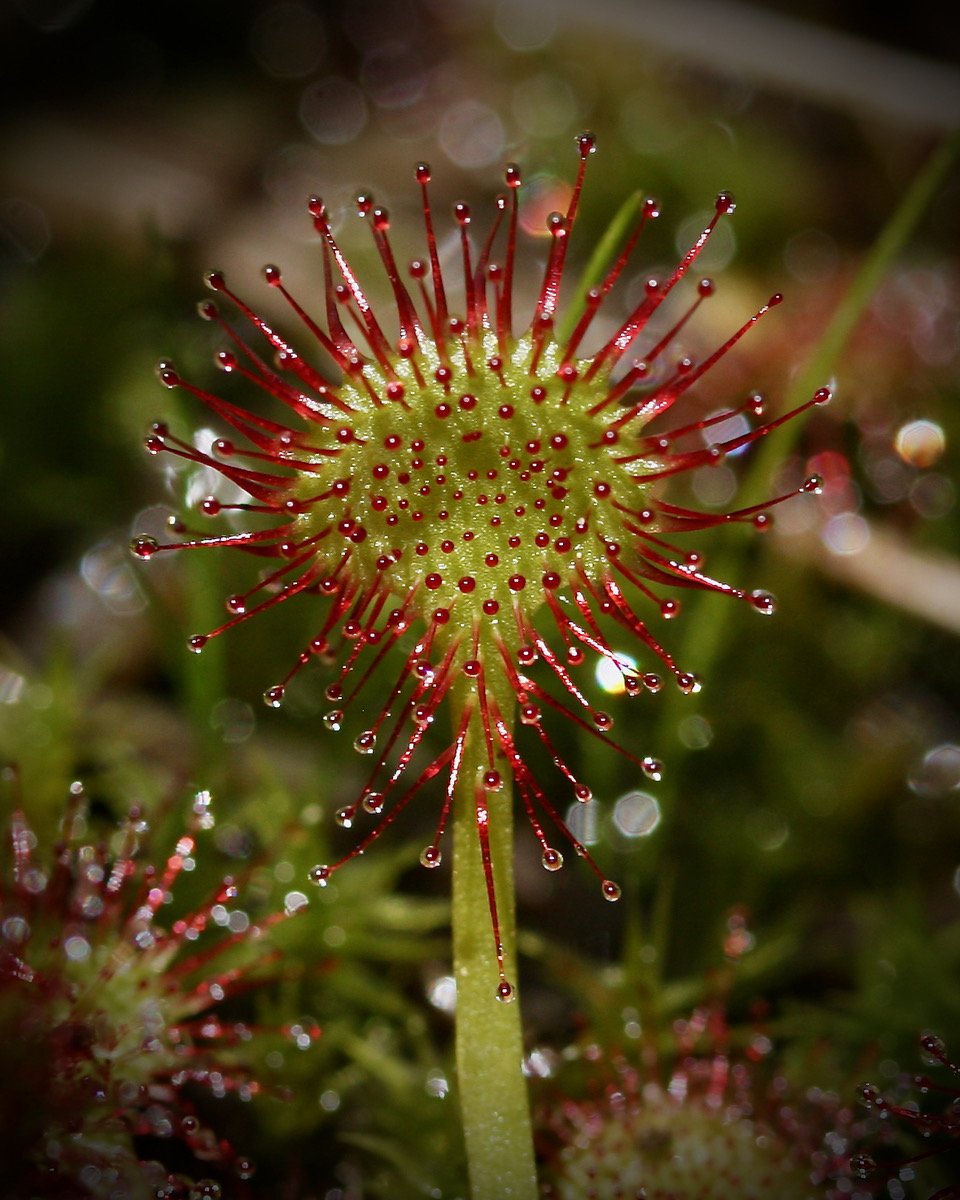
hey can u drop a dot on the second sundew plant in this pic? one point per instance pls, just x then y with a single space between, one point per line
486 508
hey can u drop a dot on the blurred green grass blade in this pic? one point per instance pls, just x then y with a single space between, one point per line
704 638
824 362
893 237
603 257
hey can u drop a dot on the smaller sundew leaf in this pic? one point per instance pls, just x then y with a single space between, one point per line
111 1007
699 1110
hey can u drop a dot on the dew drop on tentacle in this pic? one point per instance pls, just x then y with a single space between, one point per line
364 743
372 803
144 546
813 485
725 203
611 891
424 671
333 720
167 375
430 856
862 1166
586 143
273 696
934 1049
652 768
320 875
869 1095
763 602
422 715
551 859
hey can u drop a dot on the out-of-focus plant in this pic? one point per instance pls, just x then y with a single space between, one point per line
699 1118
111 1012
921 1122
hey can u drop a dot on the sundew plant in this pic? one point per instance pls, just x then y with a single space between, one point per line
486 506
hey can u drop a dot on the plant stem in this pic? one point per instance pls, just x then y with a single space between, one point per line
489 1034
